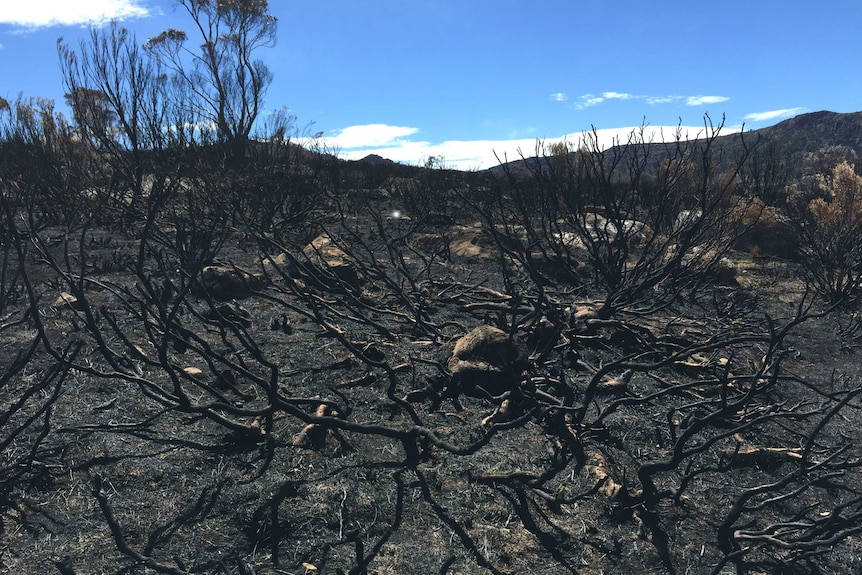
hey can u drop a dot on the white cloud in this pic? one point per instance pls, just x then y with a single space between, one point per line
369 136
701 100
44 13
661 99
773 114
477 154
588 100
2 46
617 96
559 97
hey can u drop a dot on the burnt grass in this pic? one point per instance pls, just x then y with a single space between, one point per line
148 433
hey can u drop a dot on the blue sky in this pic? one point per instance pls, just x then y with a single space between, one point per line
462 79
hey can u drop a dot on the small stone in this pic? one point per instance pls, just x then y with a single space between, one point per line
68 301
502 414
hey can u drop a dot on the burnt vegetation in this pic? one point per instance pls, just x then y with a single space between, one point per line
225 352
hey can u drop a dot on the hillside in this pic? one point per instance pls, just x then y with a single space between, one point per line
791 138
814 131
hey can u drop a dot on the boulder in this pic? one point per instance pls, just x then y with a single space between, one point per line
332 267
485 358
479 242
225 283
602 229
592 227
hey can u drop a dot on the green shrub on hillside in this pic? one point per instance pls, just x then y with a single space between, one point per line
830 230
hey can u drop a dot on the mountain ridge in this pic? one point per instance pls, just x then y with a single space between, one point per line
792 138
815 130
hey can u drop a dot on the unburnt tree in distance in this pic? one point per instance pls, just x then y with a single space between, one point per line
830 231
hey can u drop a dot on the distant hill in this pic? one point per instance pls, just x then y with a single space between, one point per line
811 132
791 138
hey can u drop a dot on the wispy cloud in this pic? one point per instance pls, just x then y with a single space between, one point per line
773 114
395 143
661 99
46 13
589 100
559 97
2 46
617 96
701 100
